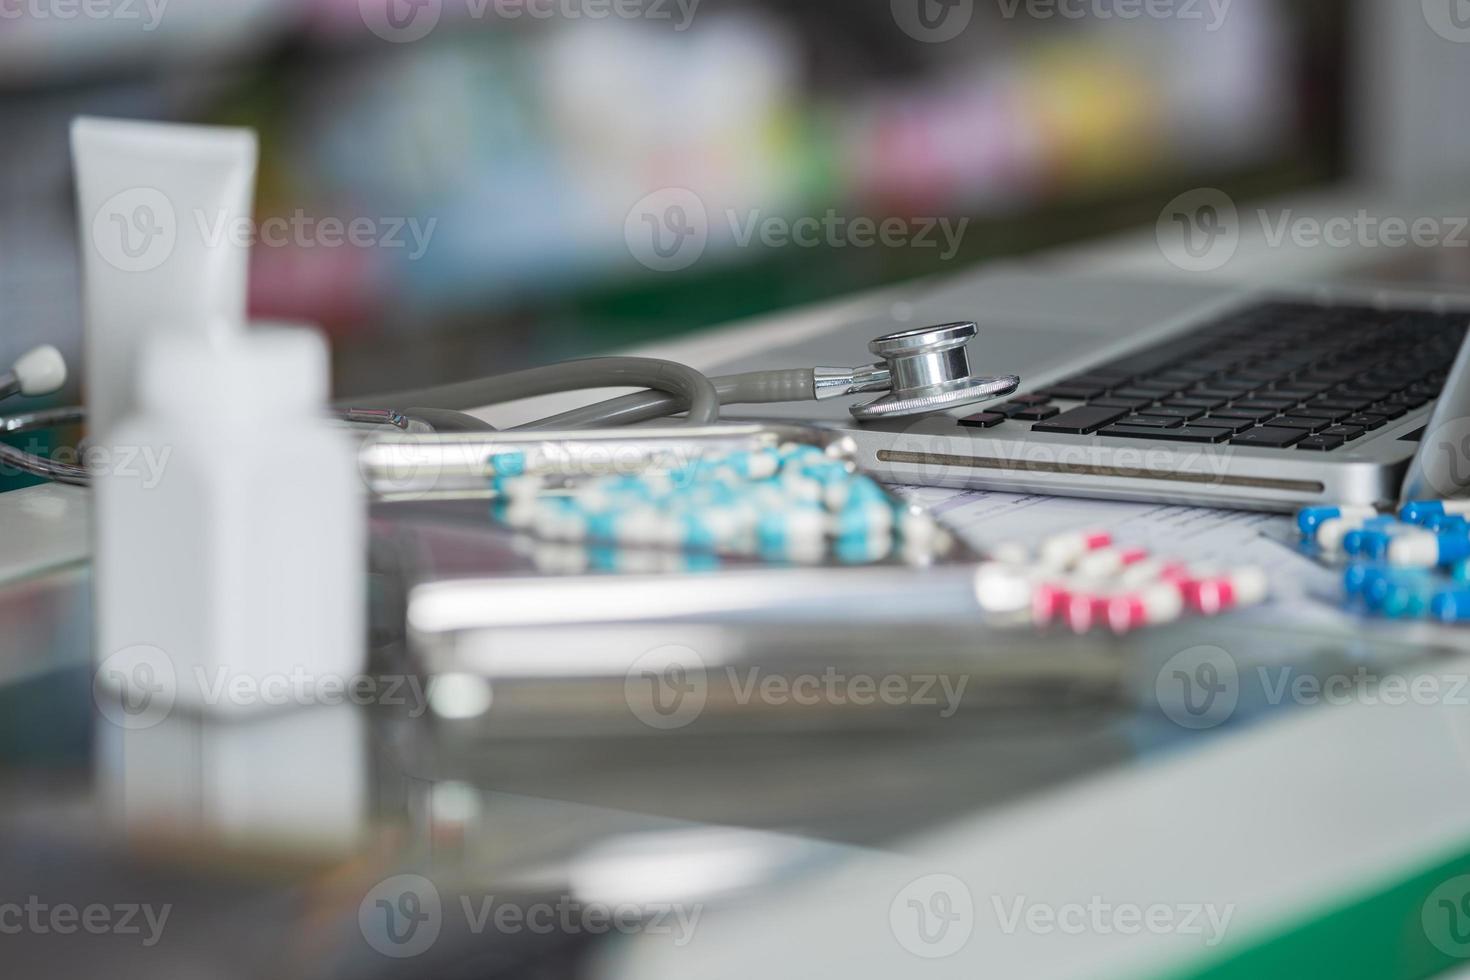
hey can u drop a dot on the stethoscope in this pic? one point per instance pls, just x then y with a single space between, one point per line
923 371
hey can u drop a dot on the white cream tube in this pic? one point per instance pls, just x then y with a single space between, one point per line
165 214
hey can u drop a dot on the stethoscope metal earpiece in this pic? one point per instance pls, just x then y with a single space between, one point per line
926 370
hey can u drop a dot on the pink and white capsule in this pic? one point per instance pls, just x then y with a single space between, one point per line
1064 550
1222 593
1107 562
1158 604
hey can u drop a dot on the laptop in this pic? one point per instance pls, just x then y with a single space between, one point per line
1250 397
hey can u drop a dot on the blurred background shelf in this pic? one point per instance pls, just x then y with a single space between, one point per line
509 149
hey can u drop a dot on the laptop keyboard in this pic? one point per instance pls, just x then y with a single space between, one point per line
1274 376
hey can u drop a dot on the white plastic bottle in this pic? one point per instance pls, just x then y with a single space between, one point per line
230 533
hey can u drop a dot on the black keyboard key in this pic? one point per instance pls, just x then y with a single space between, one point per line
1236 412
985 420
1322 444
1150 394
1113 401
1175 412
1036 413
1231 425
1081 421
1182 377
1160 357
1301 391
1347 432
1074 393
1342 404
1184 434
1269 437
1267 404
1314 412
1365 421
1190 401
1153 422
1388 410
1160 389
1297 422
1227 392
1028 400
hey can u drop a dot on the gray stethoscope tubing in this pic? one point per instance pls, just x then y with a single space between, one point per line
923 371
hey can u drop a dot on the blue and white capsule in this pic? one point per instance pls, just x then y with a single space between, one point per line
1312 518
1417 511
1451 606
1425 549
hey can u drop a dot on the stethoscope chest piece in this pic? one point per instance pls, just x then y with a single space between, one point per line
929 370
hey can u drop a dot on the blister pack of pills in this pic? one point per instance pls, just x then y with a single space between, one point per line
793 503
1411 565
1085 582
